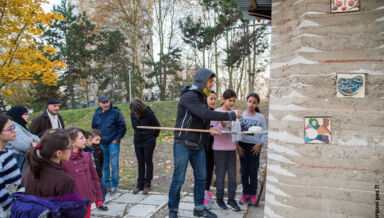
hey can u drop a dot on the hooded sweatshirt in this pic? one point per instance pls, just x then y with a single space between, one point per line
193 112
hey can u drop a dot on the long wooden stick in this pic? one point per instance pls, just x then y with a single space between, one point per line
189 130
172 129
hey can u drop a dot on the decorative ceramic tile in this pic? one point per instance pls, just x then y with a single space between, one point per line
350 85
342 6
317 130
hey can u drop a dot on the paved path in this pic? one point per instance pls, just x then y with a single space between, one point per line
127 205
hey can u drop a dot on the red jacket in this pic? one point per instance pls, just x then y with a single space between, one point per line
81 168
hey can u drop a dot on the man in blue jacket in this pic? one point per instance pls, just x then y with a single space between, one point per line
110 122
193 113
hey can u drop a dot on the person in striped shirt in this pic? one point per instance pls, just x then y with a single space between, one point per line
10 176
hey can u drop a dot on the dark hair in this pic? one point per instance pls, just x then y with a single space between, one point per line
16 112
257 98
3 120
96 132
87 134
229 93
74 132
52 141
213 92
138 106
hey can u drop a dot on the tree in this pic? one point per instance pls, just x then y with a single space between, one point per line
21 60
75 40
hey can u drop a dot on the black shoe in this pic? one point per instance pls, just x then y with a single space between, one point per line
102 207
221 204
233 205
172 214
204 213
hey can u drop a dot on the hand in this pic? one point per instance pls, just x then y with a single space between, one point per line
214 131
256 149
238 113
240 150
115 142
33 144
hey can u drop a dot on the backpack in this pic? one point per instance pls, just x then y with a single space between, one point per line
24 206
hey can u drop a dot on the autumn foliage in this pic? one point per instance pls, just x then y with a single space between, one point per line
21 58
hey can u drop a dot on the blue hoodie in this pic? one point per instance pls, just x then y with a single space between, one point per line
110 123
193 112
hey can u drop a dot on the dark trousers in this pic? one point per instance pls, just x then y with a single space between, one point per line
103 187
225 161
249 165
209 164
145 165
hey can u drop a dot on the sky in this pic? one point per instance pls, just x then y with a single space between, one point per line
48 7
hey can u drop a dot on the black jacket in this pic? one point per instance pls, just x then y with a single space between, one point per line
193 112
145 137
98 159
42 123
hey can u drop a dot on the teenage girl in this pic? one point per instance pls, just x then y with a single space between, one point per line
224 153
81 167
211 102
249 149
9 172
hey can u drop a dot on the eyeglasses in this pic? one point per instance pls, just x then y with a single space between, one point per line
10 129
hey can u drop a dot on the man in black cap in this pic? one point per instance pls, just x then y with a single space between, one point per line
110 122
49 119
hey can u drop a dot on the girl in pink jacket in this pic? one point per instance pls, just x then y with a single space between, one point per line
80 167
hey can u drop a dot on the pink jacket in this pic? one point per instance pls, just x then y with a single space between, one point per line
81 168
222 142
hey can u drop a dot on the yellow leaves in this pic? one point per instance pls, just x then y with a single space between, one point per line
20 57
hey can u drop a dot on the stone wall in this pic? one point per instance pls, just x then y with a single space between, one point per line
310 46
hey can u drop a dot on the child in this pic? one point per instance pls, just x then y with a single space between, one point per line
209 163
80 167
224 153
88 143
145 142
98 158
249 149
9 172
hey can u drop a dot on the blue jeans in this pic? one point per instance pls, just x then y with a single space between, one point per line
111 157
181 156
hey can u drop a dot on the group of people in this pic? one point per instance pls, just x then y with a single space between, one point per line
207 152
76 167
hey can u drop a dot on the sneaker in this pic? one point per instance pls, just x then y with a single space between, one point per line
254 200
221 204
172 214
206 204
113 191
204 213
244 199
233 204
102 207
208 196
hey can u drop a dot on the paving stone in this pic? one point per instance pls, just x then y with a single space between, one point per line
141 210
256 212
185 213
109 197
129 198
187 199
186 206
155 200
114 210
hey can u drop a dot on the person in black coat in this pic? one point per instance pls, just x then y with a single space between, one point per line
145 142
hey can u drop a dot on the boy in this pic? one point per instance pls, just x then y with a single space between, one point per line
98 159
88 143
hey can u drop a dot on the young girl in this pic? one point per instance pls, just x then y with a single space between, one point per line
209 163
80 166
9 173
224 153
249 149
145 142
